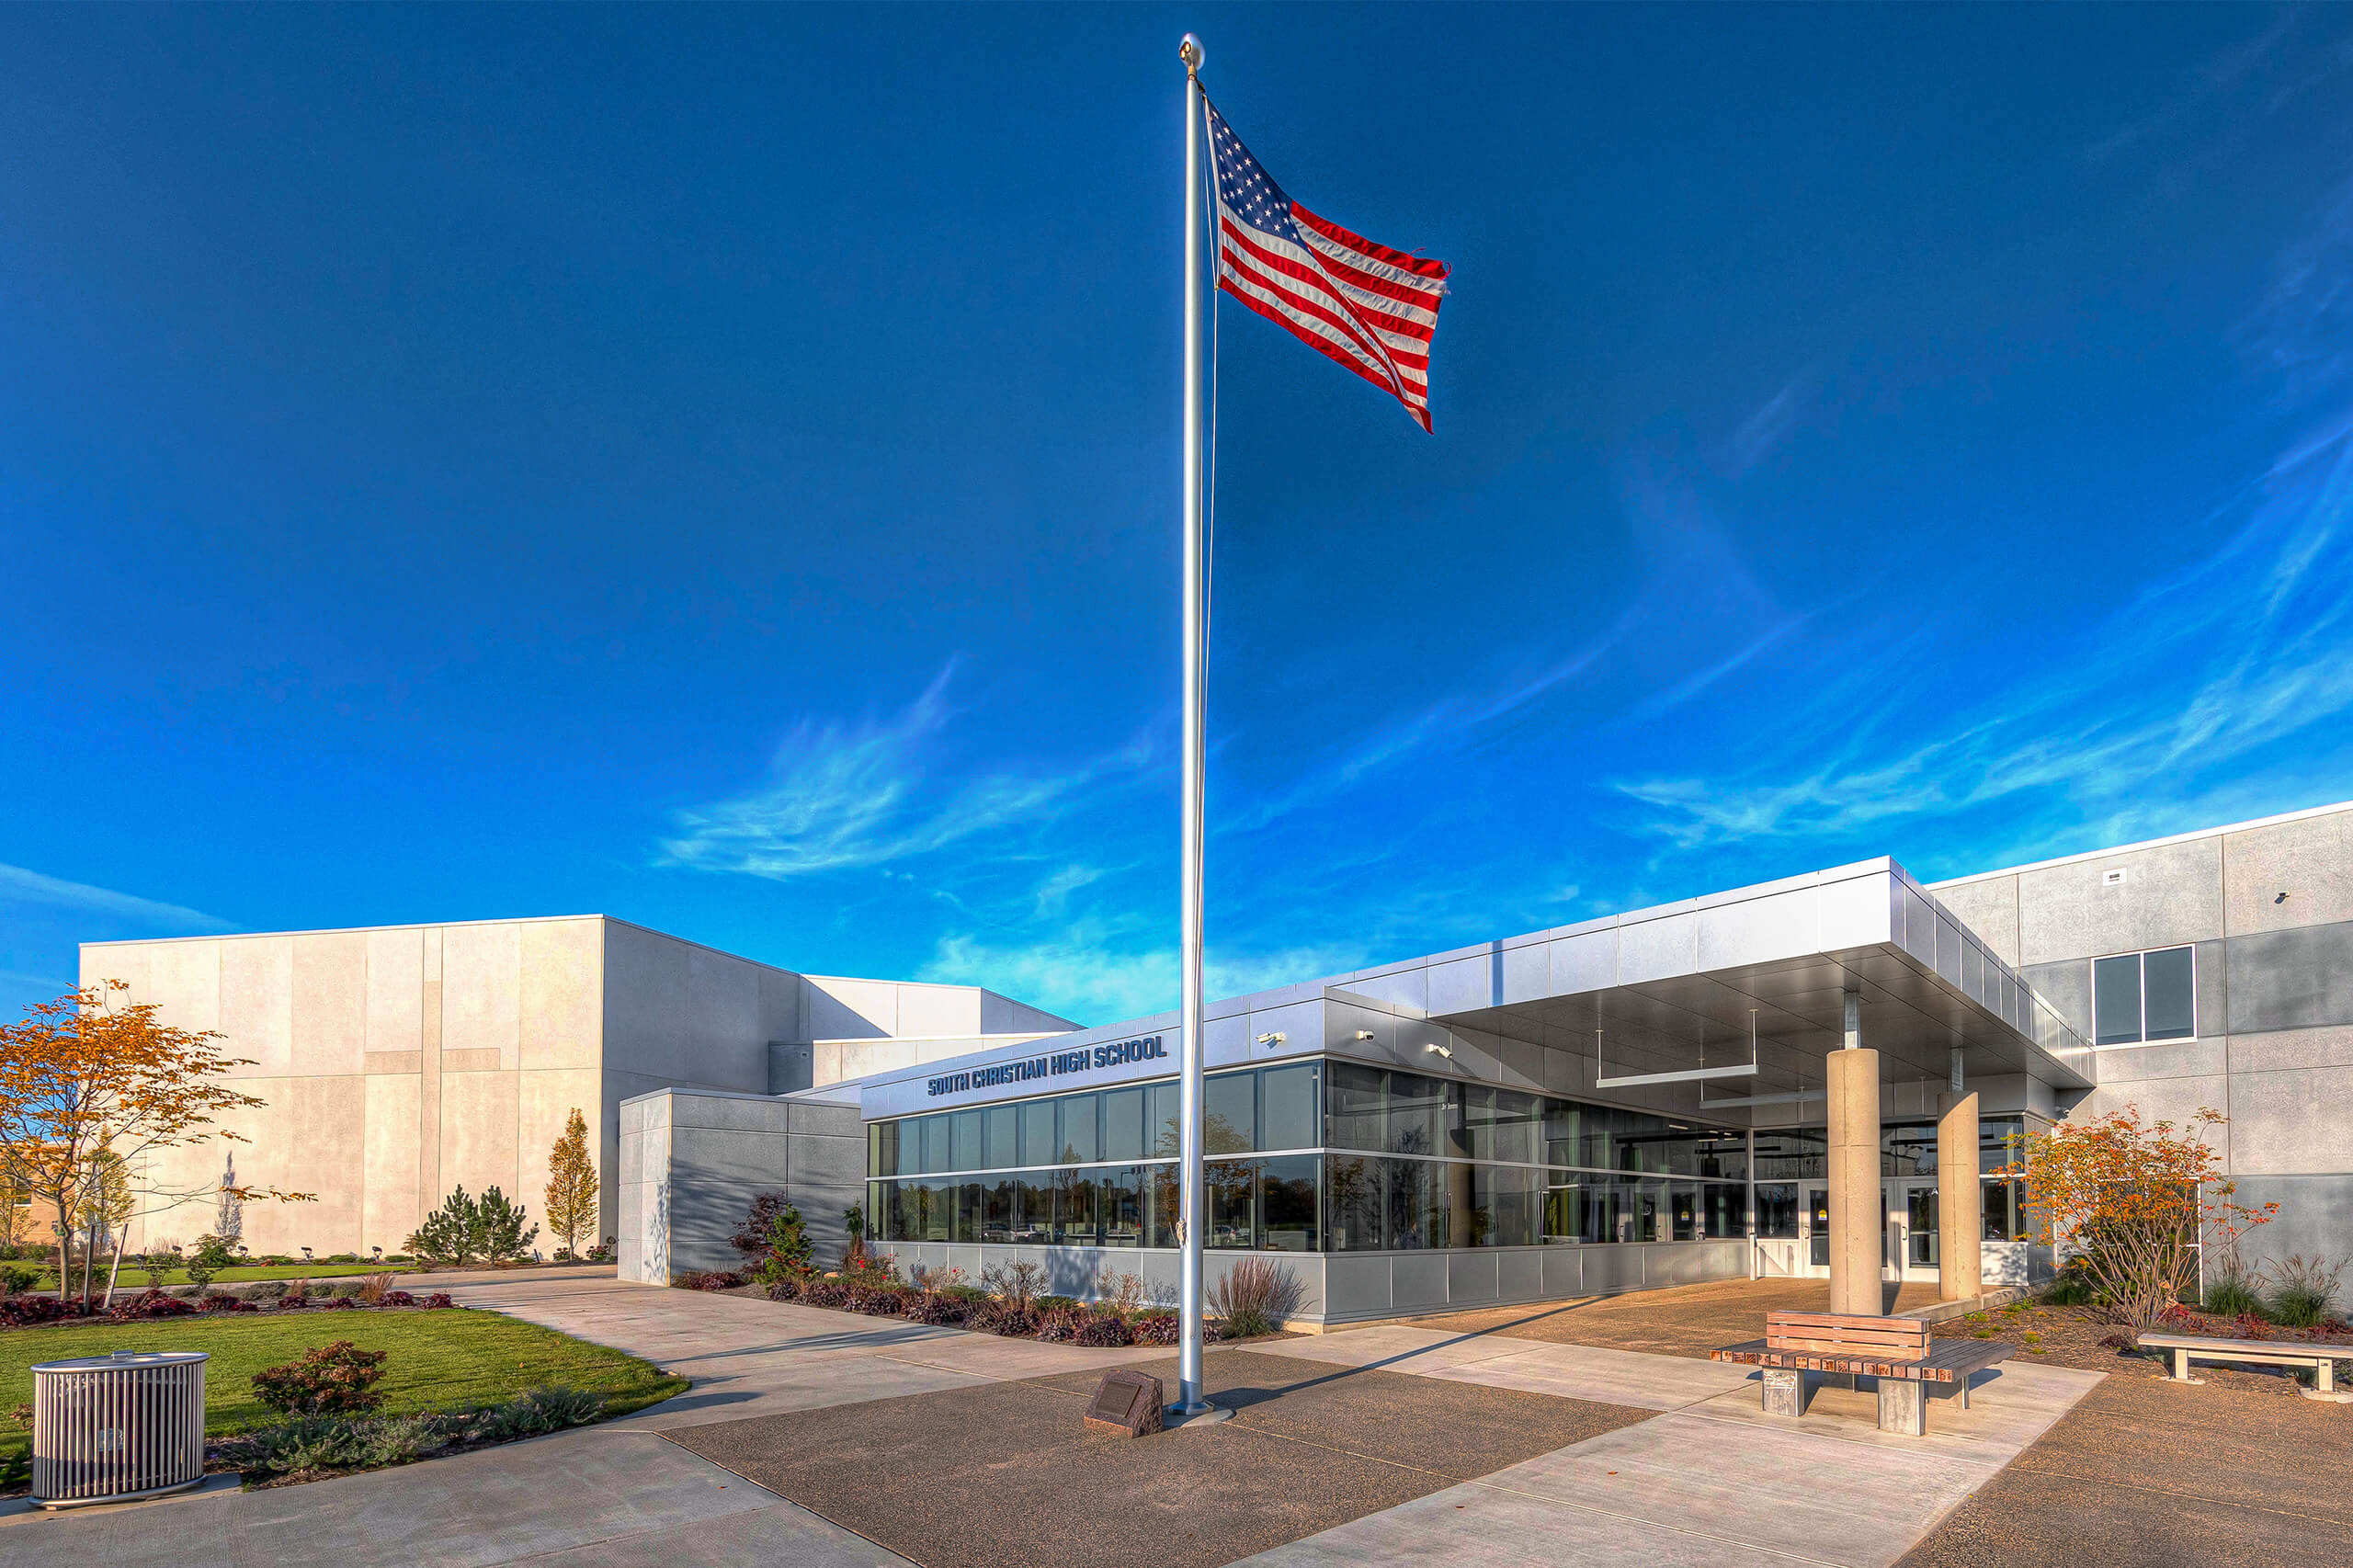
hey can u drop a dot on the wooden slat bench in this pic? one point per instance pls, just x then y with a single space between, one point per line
1900 1352
2322 1358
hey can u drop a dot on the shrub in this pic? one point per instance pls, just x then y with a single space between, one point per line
1254 1298
773 1240
1016 1283
502 1235
265 1291
1121 1292
439 1300
2231 1294
337 1378
339 1303
450 1236
1059 1326
20 1312
211 1255
720 1279
822 1292
936 1308
372 1289
15 1279
151 1304
396 1298
2134 1201
2303 1290
1002 1318
1158 1328
1104 1329
221 1302
1055 1303
2072 1287
877 1301
785 1290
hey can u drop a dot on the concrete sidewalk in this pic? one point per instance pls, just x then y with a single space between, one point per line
1710 1480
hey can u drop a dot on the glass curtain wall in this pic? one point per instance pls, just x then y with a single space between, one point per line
1306 1157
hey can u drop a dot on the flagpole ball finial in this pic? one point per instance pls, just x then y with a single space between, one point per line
1190 52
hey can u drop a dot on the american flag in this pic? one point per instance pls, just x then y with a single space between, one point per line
1367 306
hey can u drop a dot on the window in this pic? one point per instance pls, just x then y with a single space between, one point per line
1776 1208
2145 996
1287 1108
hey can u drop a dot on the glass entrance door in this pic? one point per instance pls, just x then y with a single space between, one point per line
1817 1207
1912 1238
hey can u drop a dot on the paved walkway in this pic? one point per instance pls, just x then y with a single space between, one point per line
1706 1479
1710 1480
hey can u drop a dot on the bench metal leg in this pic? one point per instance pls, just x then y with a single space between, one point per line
1784 1391
1902 1407
1965 1390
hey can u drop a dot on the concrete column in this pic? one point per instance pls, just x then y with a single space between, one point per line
1960 1201
1858 1211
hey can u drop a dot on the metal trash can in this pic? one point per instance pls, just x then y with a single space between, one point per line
109 1429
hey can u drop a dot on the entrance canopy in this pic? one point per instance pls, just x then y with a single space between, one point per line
1681 991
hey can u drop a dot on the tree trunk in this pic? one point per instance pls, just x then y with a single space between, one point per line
114 1272
64 1253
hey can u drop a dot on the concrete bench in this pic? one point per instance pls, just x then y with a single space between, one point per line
1900 1352
2186 1347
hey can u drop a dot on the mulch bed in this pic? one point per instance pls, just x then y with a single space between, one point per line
2080 1336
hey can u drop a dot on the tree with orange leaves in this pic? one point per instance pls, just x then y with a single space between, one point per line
92 1088
2134 1201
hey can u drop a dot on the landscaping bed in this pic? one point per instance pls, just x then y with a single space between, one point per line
483 1377
2086 1338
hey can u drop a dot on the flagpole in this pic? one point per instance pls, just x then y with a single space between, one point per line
1191 1206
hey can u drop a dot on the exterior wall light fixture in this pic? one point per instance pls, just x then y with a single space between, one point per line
1364 1034
1275 1037
1439 1050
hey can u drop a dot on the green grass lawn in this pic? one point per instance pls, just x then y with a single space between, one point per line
439 1360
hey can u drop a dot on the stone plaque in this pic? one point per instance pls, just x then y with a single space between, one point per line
1126 1404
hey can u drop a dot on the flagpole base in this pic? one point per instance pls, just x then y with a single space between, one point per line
1202 1415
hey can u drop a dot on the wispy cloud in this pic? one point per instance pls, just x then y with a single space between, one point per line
1700 680
1094 971
2266 622
846 796
1765 430
22 888
1448 719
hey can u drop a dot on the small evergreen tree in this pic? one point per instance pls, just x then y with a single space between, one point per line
500 1234
572 1186
211 1255
451 1235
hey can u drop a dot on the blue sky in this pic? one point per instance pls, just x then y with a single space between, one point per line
718 468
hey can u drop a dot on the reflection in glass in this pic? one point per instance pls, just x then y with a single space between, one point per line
1038 1143
2169 1004
1074 1210
1287 1203
2115 999
1000 1145
1776 1208
1122 1124
1229 1120
1232 1189
1122 1197
1356 1201
1287 1107
1166 1128
1356 1113
966 1145
1079 1140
